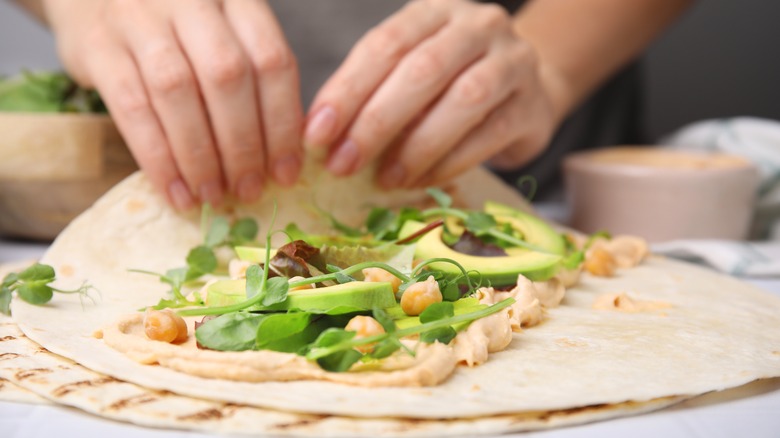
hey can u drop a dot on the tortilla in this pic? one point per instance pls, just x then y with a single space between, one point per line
717 333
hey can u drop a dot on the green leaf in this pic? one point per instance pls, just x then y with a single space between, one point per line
342 278
437 311
449 290
444 200
201 260
243 230
340 226
278 327
331 337
35 292
254 281
5 300
276 290
339 361
380 222
10 279
441 334
175 277
385 348
230 332
572 260
479 222
37 272
166 304
217 233
384 319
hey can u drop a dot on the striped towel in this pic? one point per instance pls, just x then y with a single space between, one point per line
757 140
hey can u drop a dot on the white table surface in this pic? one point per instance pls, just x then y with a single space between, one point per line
749 411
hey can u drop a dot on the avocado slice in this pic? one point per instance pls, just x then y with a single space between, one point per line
534 230
355 296
499 271
252 253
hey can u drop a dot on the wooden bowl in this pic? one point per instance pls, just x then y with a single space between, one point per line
53 167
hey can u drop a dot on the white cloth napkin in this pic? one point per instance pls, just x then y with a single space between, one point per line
742 259
757 140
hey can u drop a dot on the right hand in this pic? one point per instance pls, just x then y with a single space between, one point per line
205 92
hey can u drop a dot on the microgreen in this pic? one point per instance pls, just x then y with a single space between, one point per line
334 347
33 285
532 184
444 200
201 260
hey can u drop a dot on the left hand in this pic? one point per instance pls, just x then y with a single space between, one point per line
434 90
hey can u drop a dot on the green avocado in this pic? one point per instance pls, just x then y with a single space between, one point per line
253 253
534 230
355 296
499 271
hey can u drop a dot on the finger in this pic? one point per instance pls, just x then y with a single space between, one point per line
116 76
278 89
174 94
500 128
228 87
465 104
413 86
370 61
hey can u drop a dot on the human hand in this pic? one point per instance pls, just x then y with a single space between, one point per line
205 92
434 90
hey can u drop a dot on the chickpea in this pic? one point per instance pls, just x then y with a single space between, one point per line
301 287
419 296
600 262
165 326
364 326
380 275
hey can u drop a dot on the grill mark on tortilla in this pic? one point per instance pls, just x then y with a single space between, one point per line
9 356
132 401
67 388
206 415
304 422
571 411
32 372
8 338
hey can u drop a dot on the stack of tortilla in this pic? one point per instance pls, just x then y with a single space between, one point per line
580 365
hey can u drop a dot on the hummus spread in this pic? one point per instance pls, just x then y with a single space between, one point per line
431 364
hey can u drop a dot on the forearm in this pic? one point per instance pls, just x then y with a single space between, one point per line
34 8
581 43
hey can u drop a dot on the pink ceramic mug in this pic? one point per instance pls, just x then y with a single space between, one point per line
661 194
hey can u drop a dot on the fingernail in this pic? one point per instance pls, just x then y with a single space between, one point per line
286 169
211 192
392 176
180 195
345 159
249 187
320 127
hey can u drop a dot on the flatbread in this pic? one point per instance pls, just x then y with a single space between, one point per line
718 332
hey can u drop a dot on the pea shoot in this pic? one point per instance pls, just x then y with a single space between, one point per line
33 285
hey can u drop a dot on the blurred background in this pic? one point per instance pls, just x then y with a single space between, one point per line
720 60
